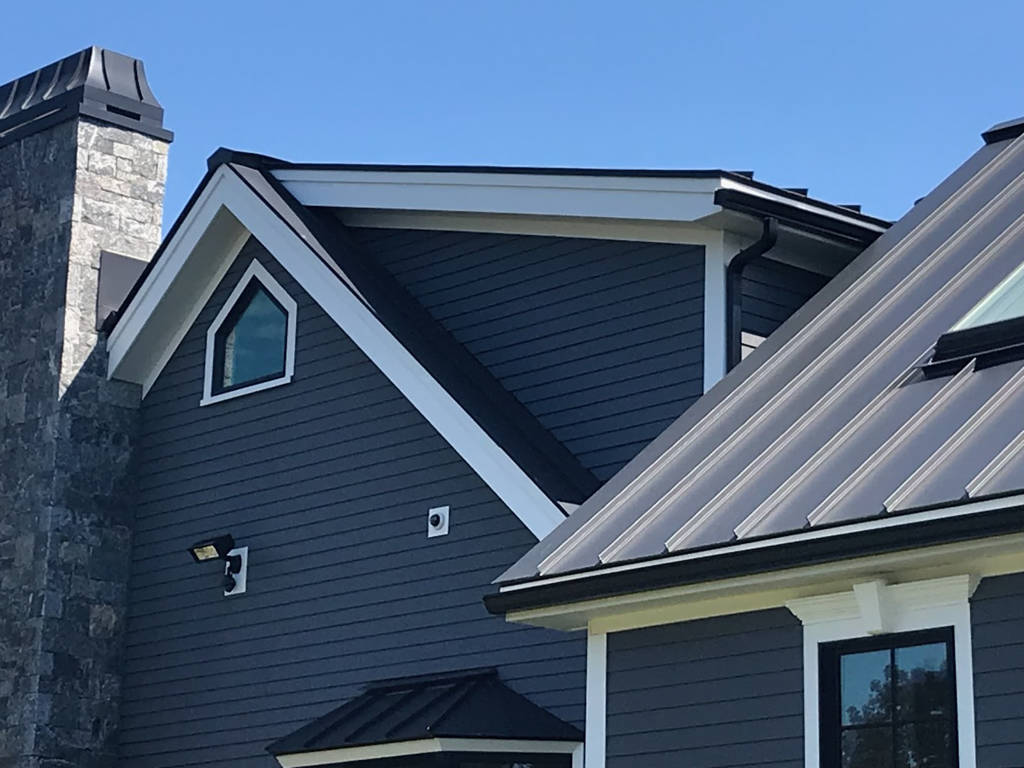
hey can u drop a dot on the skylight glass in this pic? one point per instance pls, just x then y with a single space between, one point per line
1005 302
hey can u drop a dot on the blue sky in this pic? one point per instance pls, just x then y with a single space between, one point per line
870 102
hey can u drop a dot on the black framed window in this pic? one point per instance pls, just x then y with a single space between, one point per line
889 702
250 346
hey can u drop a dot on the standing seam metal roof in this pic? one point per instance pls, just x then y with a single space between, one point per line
474 704
831 419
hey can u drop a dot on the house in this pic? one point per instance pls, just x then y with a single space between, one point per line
258 477
821 563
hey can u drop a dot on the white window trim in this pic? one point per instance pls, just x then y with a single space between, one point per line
259 273
874 608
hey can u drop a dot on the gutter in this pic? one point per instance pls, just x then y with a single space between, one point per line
851 229
734 289
827 543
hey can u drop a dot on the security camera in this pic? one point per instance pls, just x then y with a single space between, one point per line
437 522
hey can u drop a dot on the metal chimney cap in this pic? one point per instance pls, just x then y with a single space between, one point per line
96 83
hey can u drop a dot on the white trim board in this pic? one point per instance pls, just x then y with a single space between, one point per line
874 607
225 214
544 193
423 747
596 700
675 232
255 271
612 197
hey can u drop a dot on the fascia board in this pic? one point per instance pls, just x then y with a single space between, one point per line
751 592
660 199
151 319
422 747
983 558
207 230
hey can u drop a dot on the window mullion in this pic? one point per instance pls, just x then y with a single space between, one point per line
892 705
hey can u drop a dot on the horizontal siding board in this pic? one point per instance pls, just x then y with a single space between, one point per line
713 692
997 613
318 517
698 692
560 321
772 291
332 685
622 300
327 480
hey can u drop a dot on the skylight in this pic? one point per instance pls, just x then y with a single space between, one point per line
991 333
1005 302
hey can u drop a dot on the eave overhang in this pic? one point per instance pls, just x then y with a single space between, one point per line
569 600
618 194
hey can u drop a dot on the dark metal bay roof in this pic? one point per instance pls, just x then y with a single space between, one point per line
96 83
474 705
831 420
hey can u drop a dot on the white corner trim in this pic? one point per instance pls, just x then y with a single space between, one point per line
577 757
905 607
258 272
226 213
718 252
715 341
596 700
423 747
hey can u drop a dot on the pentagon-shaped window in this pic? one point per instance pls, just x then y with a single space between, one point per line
251 343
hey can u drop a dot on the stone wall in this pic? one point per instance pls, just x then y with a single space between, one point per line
66 436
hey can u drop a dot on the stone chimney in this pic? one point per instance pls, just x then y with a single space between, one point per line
83 160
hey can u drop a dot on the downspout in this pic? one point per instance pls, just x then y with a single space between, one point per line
734 289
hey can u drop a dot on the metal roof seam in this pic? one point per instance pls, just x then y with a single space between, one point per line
903 330
1003 395
823 454
976 487
833 354
749 473
897 439
802 337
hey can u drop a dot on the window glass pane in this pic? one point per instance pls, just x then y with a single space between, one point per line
1004 303
254 346
925 745
868 748
865 690
923 689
